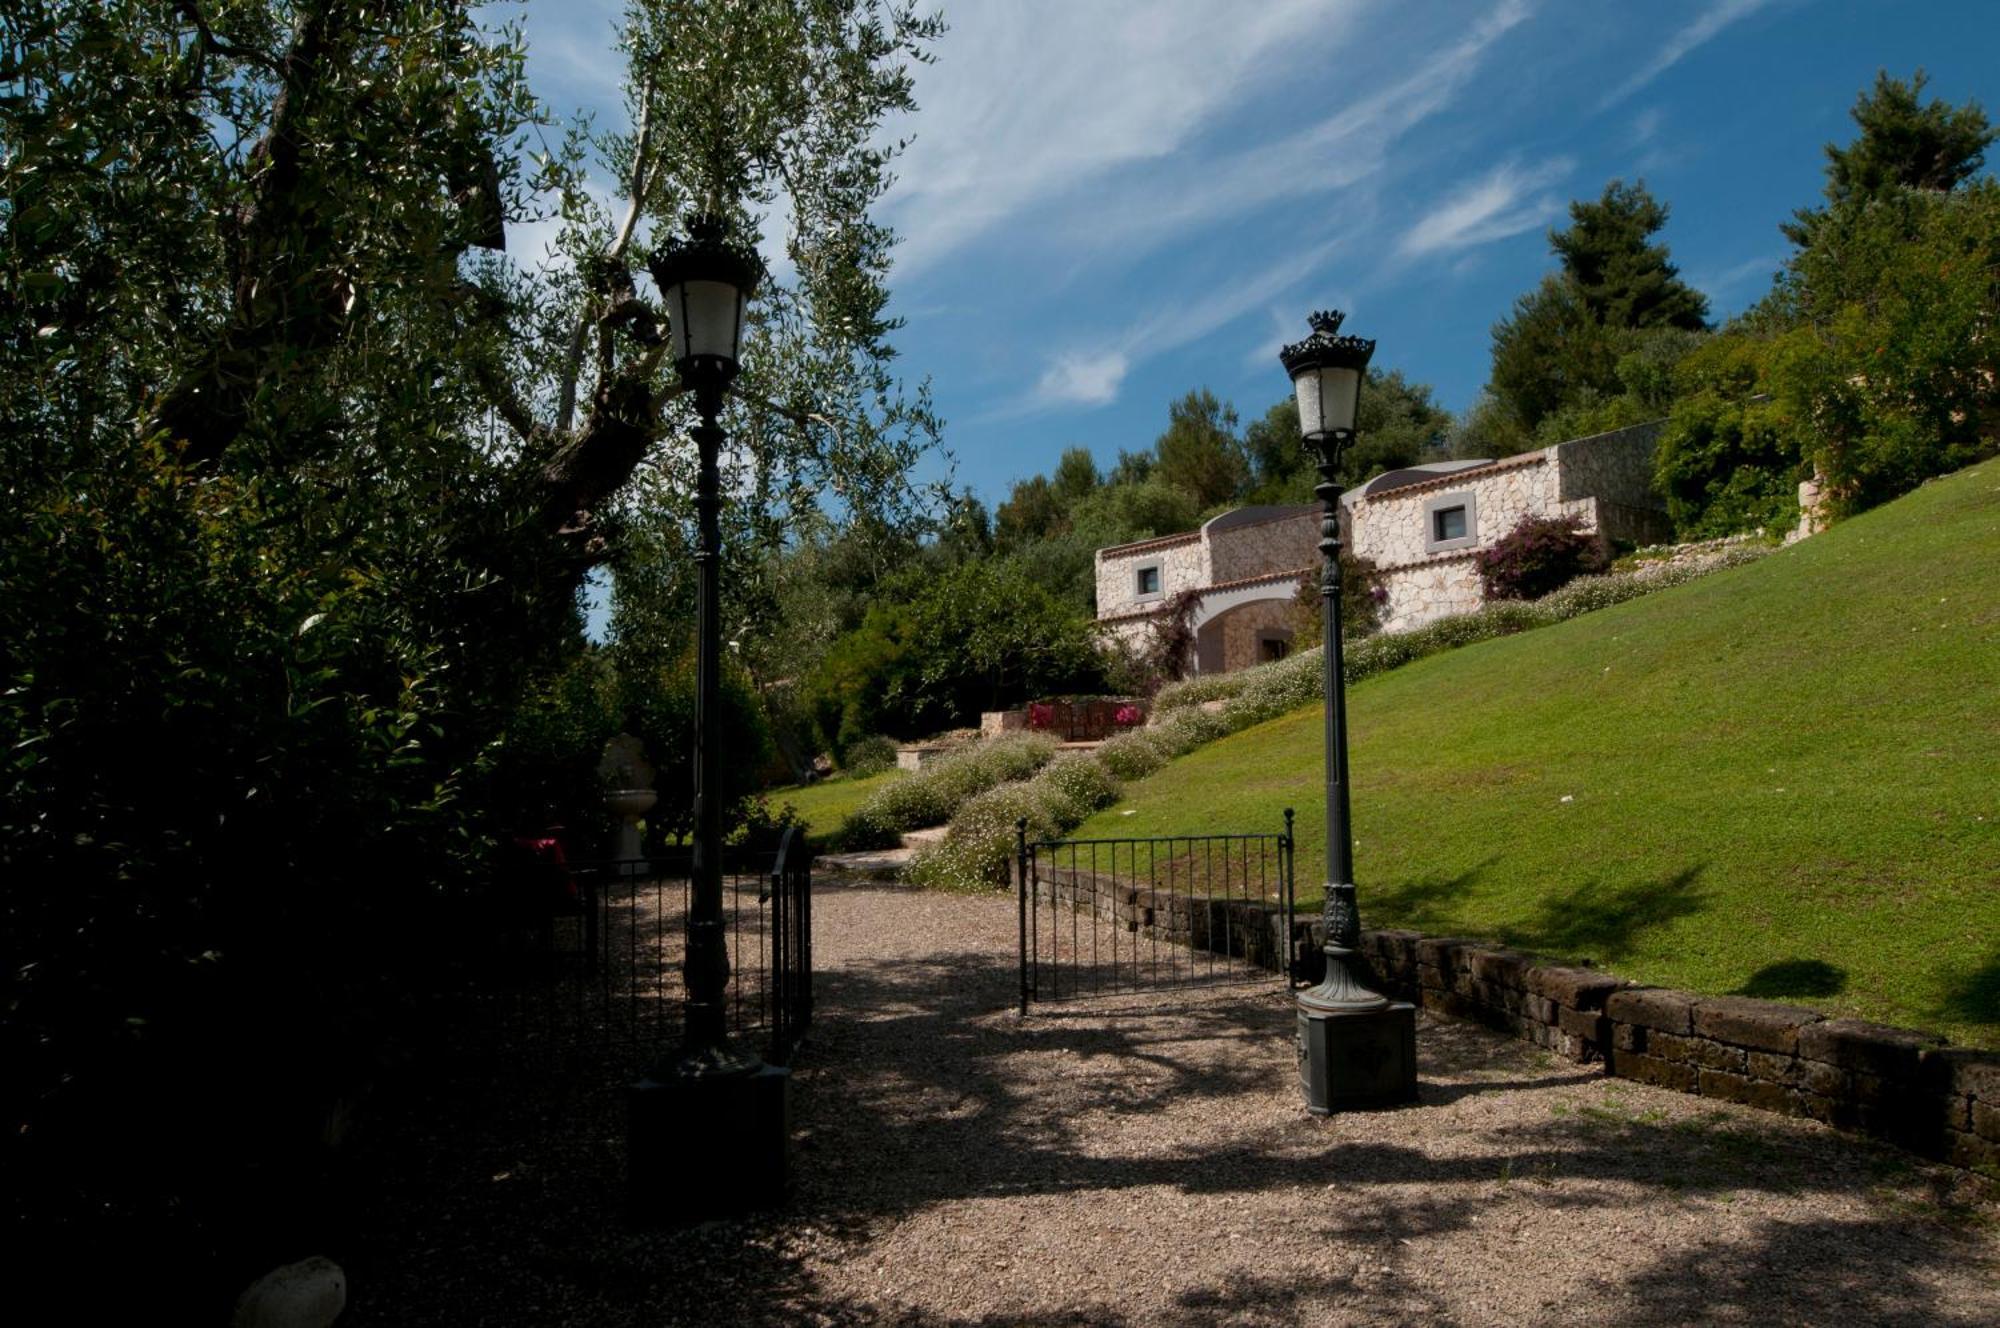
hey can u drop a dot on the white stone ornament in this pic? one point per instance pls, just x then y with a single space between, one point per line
308 1294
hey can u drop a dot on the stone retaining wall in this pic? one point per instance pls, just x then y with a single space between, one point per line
1895 1084
1246 929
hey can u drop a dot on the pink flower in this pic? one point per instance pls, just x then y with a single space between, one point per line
1127 716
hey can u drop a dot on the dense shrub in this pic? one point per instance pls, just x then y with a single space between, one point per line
983 840
1540 554
1270 690
930 796
1730 457
1076 785
1133 755
984 835
870 756
934 651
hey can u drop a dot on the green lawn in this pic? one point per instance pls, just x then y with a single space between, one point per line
827 803
1782 779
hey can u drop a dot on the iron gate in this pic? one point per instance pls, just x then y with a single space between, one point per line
1104 916
585 955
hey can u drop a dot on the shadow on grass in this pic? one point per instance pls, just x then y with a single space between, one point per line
1974 997
1602 921
1790 979
1595 920
1428 903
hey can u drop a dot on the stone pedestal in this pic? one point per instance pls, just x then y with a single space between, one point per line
708 1146
1355 1061
629 805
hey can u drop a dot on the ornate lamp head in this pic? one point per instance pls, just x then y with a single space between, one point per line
706 280
1326 370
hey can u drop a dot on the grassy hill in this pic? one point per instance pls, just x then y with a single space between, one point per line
1783 779
824 805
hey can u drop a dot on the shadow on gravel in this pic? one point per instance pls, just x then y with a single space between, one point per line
924 1109
498 1202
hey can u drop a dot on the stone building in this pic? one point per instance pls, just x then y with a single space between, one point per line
1246 564
1421 527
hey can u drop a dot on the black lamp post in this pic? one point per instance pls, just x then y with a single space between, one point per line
1357 1048
708 1127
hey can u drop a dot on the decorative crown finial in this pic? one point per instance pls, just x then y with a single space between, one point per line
1326 347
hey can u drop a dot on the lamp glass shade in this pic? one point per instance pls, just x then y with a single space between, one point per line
706 318
1327 398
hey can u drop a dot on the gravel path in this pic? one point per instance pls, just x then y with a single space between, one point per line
1149 1162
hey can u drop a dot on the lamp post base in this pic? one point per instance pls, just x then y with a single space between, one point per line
703 1146
1358 1060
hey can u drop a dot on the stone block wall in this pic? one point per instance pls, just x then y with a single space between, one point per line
1895 1084
1615 467
1277 545
1242 928
1242 628
1427 591
1392 529
1183 561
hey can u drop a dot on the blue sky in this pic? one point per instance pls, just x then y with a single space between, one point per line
1109 202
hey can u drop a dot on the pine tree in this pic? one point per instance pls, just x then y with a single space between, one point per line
1904 144
1625 279
1561 344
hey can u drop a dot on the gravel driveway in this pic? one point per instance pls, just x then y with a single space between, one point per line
1149 1162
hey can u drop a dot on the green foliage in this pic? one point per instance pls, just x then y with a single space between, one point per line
1565 346
656 703
1362 596
934 651
1903 144
297 520
1539 555
1729 457
1199 453
1895 364
930 796
1623 278
870 756
542 771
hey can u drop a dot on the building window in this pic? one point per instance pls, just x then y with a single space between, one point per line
1271 649
1147 581
1451 521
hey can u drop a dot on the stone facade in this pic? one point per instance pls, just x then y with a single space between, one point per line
1247 562
1421 527
1605 481
1236 638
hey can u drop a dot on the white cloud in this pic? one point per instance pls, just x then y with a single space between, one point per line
1711 21
1100 121
1729 278
1490 208
1082 379
1094 378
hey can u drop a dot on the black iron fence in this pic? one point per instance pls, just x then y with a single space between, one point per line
1104 916
580 956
